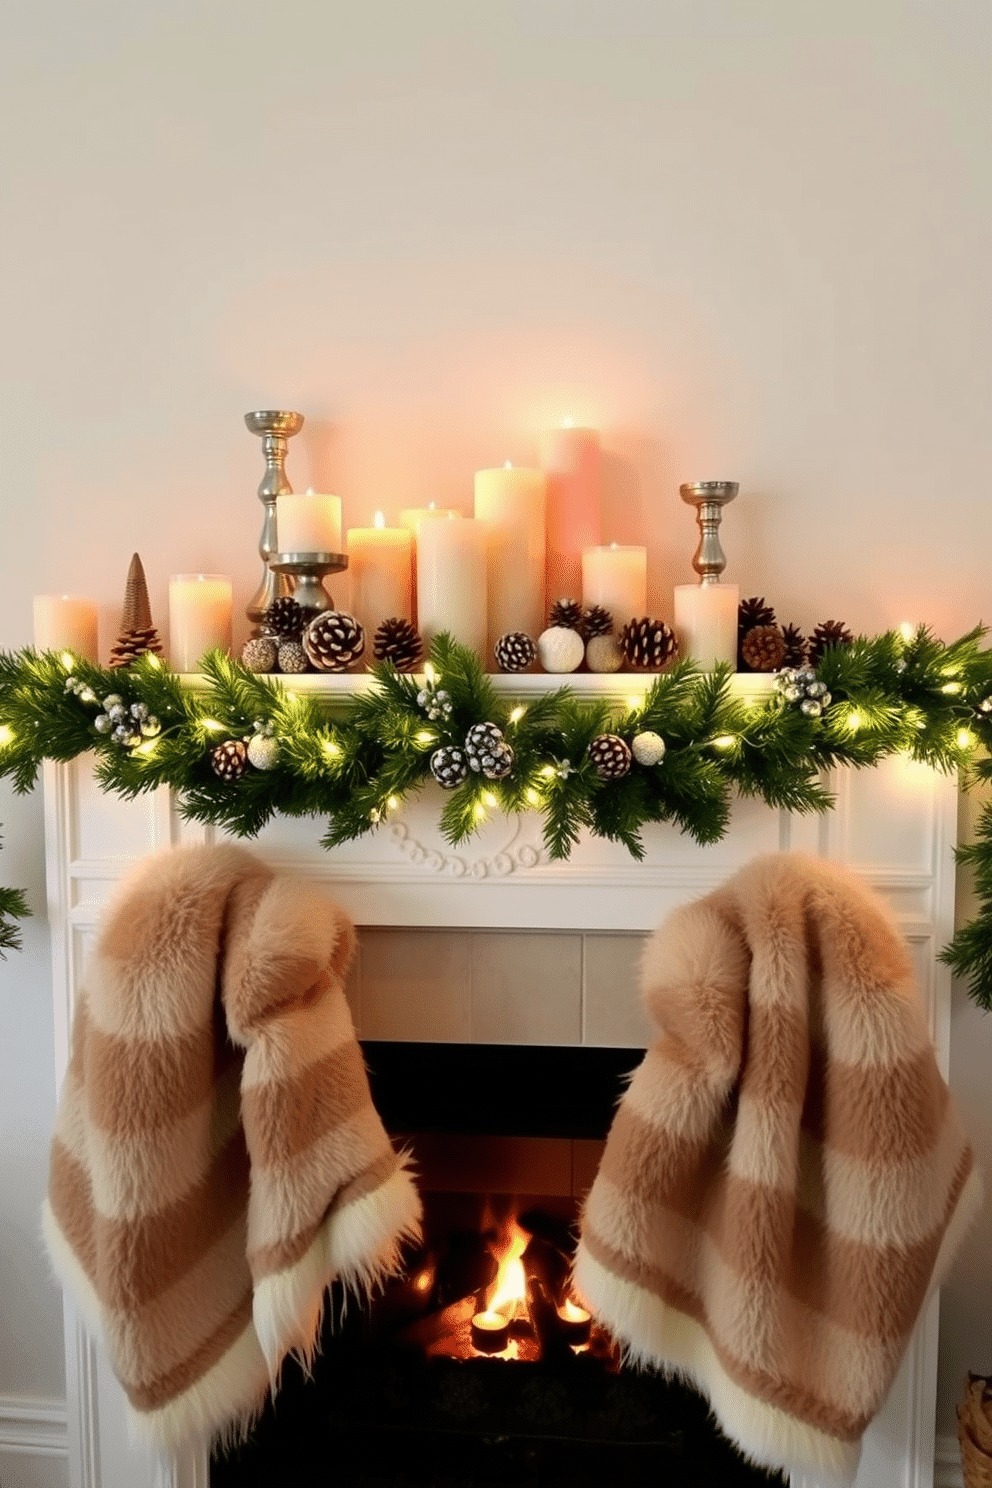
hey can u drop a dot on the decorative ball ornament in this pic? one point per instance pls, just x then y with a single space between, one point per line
610 755
800 685
449 766
603 654
102 723
514 651
292 657
333 641
648 747
229 760
436 703
261 654
263 751
560 649
647 643
285 617
150 727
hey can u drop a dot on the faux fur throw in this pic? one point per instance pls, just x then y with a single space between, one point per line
785 1179
217 1160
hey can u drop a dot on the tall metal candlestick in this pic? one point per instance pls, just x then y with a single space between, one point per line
709 498
274 427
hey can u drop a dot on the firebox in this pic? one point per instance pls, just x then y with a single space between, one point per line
480 1367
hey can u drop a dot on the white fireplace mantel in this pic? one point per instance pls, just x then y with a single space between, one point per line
894 826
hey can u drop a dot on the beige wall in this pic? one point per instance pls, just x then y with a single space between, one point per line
746 238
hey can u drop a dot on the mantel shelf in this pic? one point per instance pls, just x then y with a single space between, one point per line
339 687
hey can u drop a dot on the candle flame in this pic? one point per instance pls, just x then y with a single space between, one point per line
507 464
568 422
907 630
431 505
378 520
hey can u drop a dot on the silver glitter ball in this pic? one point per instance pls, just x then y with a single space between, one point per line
811 707
792 693
86 695
263 752
117 712
139 711
113 701
150 727
102 723
816 689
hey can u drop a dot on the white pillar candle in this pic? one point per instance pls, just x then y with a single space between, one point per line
511 502
199 618
571 458
379 570
706 623
412 516
310 523
617 578
452 561
63 622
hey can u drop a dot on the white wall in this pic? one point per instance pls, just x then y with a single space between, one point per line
746 238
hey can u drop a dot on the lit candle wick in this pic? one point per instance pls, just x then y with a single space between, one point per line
507 464
567 422
378 520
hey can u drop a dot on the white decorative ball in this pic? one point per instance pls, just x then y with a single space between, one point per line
648 747
263 751
560 649
603 654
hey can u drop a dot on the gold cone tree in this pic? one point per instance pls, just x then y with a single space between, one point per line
137 634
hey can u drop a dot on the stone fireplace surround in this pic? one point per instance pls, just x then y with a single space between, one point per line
494 944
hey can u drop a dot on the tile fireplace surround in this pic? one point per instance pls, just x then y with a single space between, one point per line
494 944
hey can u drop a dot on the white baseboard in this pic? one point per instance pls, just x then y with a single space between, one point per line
38 1428
947 1471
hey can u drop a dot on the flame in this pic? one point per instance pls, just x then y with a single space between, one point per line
510 1286
378 520
572 1312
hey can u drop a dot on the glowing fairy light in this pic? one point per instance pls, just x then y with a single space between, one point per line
517 714
966 738
425 737
907 631
68 660
7 735
331 749
853 722
213 726
725 741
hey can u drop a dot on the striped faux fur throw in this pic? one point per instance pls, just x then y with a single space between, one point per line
217 1160
785 1179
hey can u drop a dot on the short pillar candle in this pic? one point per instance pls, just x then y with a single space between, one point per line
379 569
199 618
64 622
706 623
617 578
308 523
511 502
571 460
452 561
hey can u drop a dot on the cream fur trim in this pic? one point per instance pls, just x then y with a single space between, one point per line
358 1245
659 1336
223 1404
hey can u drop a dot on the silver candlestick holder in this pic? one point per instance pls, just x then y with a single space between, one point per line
275 427
309 571
709 498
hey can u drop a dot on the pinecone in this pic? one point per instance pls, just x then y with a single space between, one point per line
285 617
514 651
567 613
292 657
260 654
396 640
830 633
610 756
596 621
333 640
137 633
647 643
229 760
795 647
752 612
449 766
487 751
763 648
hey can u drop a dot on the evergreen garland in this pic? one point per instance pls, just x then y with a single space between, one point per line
888 694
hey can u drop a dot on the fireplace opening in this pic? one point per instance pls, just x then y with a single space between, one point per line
479 1366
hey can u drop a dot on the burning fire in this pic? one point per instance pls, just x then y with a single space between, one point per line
510 1287
507 1301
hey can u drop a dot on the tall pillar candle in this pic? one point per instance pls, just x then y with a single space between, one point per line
616 577
706 623
412 516
379 569
308 523
199 618
511 502
571 459
452 564
64 622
